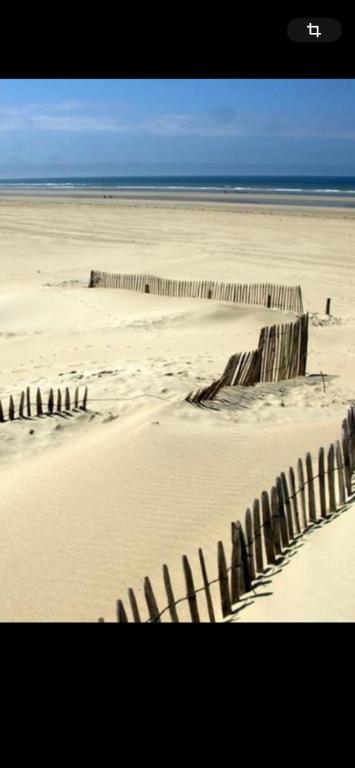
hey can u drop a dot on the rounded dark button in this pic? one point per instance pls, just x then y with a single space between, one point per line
314 30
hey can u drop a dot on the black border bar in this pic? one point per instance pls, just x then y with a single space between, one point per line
174 42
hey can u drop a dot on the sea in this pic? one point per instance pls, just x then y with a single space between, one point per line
245 186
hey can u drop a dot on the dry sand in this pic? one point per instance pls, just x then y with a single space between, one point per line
91 505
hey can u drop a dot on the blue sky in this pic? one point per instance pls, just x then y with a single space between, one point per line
123 127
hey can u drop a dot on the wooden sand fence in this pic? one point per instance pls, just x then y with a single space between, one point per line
281 355
57 402
260 294
311 492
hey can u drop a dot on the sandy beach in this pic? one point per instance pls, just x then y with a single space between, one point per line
91 504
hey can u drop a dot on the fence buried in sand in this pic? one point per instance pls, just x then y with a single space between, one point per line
57 402
273 524
288 298
281 355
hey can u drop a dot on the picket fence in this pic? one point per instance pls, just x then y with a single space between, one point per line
281 355
272 525
57 402
282 297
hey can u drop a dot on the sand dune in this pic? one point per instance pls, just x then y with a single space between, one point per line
90 505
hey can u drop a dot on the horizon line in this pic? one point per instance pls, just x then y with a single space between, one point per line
178 175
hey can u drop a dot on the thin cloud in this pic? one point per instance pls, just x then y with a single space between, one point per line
224 121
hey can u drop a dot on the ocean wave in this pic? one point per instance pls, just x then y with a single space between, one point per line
38 184
223 187
337 191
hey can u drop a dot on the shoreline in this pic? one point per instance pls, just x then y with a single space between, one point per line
303 201
180 203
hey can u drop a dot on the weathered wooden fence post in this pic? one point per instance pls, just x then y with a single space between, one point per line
249 535
276 520
287 503
352 412
11 409
207 587
190 591
28 401
257 537
311 495
39 402
321 473
294 500
281 514
50 402
122 617
134 606
268 530
236 566
331 486
223 582
340 468
170 595
301 488
151 601
246 573
347 455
